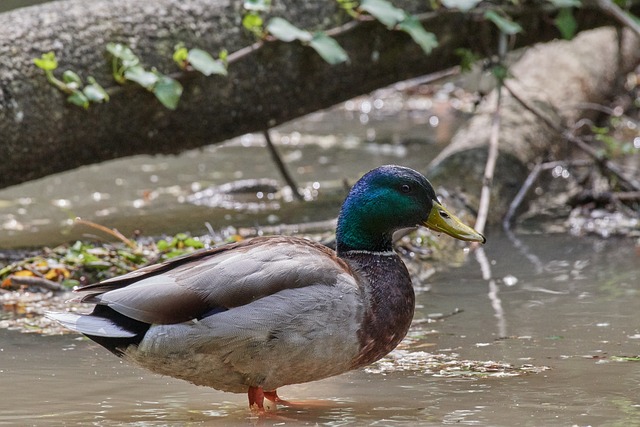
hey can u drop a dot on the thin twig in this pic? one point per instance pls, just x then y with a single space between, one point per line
531 179
40 282
492 156
620 15
282 167
112 232
628 182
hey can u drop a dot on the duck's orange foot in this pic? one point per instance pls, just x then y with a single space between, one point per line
257 396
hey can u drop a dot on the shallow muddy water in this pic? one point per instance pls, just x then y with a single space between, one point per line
567 303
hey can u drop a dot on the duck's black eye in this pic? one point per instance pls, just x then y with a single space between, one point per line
406 188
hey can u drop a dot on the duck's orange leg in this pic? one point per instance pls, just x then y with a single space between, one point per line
273 396
256 398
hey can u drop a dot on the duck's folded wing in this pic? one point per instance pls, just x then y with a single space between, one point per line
192 287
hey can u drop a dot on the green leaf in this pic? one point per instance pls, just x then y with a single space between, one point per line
78 98
467 58
205 63
253 22
383 11
566 23
124 54
566 3
463 5
328 49
257 5
139 75
287 32
163 245
180 55
94 92
72 80
426 40
193 243
506 25
47 61
224 54
168 92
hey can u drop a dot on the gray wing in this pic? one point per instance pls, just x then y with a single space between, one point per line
219 279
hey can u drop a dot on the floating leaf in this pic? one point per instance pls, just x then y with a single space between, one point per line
328 49
566 23
78 98
383 11
205 63
94 92
141 76
286 31
47 61
463 5
426 40
168 91
506 25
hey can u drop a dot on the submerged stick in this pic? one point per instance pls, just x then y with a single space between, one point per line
282 167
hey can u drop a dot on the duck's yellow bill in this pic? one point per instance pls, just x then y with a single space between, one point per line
442 220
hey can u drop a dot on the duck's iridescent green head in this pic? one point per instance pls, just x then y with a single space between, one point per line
390 198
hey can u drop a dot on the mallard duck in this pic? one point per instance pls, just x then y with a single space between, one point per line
253 316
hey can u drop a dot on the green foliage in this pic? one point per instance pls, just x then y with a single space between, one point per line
328 48
254 23
566 23
257 5
504 23
285 31
178 245
200 60
71 83
139 75
566 3
126 67
349 6
426 40
397 19
467 58
168 91
612 147
384 12
205 63
463 5
47 61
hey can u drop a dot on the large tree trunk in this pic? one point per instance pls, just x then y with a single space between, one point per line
556 78
42 134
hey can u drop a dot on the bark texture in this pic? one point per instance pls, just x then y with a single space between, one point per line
41 134
556 78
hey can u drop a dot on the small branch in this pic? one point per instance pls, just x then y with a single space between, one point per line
620 15
531 179
40 282
109 231
282 167
492 157
631 183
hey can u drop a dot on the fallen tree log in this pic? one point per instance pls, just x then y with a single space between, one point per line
556 78
41 134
